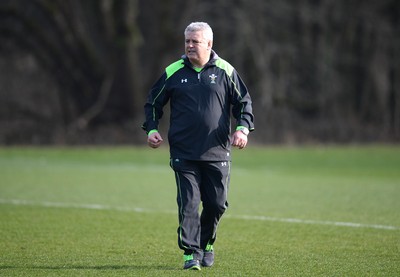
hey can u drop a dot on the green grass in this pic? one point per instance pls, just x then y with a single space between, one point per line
284 204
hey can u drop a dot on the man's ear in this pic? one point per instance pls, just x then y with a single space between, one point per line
210 44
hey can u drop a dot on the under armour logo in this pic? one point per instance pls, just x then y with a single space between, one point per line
183 81
224 164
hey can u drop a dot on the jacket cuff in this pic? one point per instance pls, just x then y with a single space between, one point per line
240 127
152 131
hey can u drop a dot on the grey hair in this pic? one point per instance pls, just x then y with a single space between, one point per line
200 26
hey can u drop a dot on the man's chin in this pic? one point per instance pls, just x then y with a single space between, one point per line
193 60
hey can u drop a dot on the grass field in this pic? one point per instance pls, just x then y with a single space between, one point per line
313 211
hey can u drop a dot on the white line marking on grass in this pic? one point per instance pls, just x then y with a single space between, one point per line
313 222
19 202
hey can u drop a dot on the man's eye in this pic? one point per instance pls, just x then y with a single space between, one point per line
192 41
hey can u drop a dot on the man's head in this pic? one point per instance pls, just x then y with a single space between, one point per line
198 43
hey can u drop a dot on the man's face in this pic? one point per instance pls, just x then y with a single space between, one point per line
197 49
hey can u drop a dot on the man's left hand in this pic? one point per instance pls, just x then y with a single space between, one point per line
239 139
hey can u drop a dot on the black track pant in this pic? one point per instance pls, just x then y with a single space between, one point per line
200 181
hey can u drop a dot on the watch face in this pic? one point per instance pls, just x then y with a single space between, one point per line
244 131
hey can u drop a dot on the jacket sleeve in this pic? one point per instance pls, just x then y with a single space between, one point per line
155 102
242 109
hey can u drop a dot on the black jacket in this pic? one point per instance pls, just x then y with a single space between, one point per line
200 105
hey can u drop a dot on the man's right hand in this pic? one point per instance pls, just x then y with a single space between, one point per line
154 140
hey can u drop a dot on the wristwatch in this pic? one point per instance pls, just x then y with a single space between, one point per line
243 129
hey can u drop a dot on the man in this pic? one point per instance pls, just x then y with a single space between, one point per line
201 88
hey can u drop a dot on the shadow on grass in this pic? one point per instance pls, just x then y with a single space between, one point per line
88 267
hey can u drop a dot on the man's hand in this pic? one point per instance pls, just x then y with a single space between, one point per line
239 139
154 140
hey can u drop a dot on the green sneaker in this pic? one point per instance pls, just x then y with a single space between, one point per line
208 256
191 263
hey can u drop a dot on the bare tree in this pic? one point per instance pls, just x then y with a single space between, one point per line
89 47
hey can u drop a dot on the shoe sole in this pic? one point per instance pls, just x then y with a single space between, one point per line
195 267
